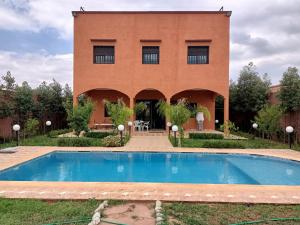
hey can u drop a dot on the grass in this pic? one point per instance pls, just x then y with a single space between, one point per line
29 212
249 143
219 214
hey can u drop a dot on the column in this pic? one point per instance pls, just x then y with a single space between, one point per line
226 116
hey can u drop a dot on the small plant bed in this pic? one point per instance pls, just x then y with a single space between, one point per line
102 134
227 143
216 214
206 136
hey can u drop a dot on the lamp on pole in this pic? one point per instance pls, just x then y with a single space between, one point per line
48 125
289 130
175 129
17 128
129 127
121 129
169 124
254 126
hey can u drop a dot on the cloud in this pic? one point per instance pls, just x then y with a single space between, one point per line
262 31
37 67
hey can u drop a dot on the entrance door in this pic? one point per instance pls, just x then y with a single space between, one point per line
151 114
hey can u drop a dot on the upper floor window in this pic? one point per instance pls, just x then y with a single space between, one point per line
197 55
150 55
104 54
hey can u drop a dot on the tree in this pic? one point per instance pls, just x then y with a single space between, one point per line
177 114
7 92
31 127
80 116
118 112
249 94
139 108
23 100
268 120
289 93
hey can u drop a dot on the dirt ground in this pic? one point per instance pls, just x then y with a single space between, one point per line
132 213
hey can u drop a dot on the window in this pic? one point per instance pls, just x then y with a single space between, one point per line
197 55
104 54
150 55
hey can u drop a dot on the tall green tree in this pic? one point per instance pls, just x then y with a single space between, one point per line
7 92
289 94
23 102
248 95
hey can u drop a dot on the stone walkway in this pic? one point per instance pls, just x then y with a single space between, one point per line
149 142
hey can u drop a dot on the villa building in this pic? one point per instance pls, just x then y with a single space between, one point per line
148 56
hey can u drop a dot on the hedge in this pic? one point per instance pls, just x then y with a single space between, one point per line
98 134
74 142
222 144
55 133
205 136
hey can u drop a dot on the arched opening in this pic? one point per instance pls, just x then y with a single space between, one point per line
100 119
203 97
150 97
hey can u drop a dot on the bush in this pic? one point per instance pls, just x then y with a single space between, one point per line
112 141
222 144
206 136
98 134
55 133
74 142
31 127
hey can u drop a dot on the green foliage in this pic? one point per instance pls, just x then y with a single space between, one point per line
112 141
74 142
7 92
55 133
23 101
203 109
250 92
139 108
289 94
268 119
31 127
222 144
230 126
118 112
98 134
206 136
80 116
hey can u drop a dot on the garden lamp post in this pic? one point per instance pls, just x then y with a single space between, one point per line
289 130
254 126
17 128
48 124
175 129
217 121
169 124
129 127
121 129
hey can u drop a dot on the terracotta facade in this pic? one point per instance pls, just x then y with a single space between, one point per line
172 78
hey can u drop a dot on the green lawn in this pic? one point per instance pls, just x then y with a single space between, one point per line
218 214
37 212
249 143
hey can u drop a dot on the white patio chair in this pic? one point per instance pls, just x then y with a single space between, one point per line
146 125
137 125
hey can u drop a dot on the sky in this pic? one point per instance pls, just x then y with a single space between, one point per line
36 36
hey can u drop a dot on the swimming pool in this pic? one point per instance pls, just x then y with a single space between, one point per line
162 167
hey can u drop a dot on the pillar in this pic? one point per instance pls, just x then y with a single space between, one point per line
226 116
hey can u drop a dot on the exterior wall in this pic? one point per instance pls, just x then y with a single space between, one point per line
172 31
6 127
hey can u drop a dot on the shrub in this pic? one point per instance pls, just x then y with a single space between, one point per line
31 127
55 133
74 142
98 134
205 136
222 144
112 141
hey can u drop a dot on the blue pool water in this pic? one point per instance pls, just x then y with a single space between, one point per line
157 167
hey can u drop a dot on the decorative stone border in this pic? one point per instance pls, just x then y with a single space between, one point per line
159 216
96 219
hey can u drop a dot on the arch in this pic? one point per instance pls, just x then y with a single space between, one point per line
149 93
102 89
196 89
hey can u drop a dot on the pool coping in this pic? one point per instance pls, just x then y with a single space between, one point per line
239 193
